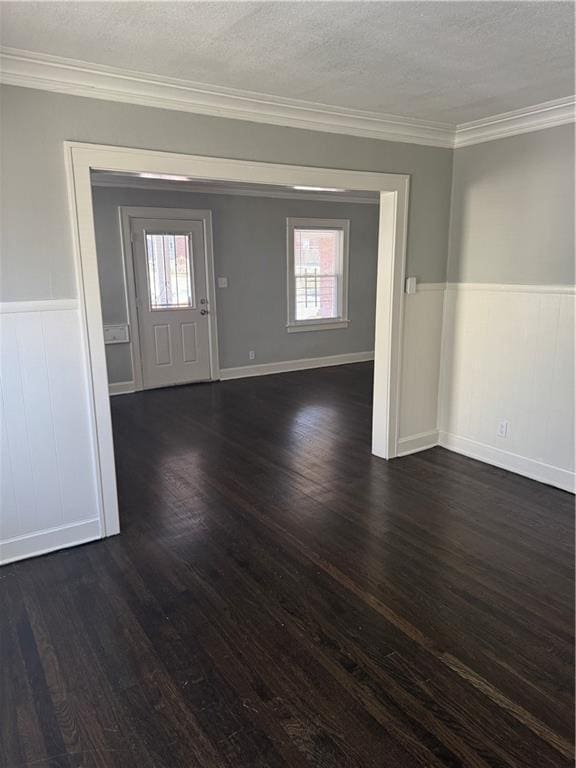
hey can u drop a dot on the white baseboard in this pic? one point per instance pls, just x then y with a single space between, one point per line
42 542
264 369
294 365
513 462
121 388
415 443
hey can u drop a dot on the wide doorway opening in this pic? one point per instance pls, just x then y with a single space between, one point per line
202 281
200 269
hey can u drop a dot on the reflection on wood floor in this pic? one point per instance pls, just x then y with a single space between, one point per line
280 597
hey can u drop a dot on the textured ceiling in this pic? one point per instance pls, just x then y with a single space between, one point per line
446 61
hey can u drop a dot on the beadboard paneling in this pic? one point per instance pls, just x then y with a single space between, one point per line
48 490
508 354
422 338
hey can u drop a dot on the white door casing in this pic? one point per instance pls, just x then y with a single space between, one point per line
82 158
172 307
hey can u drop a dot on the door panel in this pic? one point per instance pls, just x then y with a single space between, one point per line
189 346
171 287
162 345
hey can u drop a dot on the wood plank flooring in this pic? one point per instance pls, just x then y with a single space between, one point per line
279 597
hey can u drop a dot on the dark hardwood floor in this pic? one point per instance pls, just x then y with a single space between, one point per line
280 597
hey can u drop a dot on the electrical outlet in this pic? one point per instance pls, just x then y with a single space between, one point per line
252 355
502 430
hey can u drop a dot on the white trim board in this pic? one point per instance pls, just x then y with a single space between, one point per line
512 288
535 470
42 71
569 290
286 366
29 69
535 118
38 305
82 158
417 443
426 287
42 542
121 388
511 462
264 369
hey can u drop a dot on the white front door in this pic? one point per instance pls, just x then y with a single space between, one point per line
172 300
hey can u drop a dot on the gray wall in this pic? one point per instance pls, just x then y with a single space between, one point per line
513 210
250 250
37 257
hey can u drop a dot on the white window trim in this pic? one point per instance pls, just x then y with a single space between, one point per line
321 324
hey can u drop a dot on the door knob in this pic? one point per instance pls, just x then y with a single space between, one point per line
203 311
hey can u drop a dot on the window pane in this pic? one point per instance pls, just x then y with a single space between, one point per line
317 272
170 277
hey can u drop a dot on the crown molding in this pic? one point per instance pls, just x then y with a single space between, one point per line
41 71
534 118
191 187
54 73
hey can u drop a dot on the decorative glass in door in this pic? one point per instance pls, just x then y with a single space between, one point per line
170 271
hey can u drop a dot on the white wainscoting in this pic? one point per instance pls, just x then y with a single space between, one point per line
49 492
508 355
422 339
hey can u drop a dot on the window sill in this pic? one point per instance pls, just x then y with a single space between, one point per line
330 325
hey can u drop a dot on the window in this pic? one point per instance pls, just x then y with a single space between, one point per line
170 280
317 274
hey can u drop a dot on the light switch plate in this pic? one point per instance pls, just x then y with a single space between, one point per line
222 282
410 285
